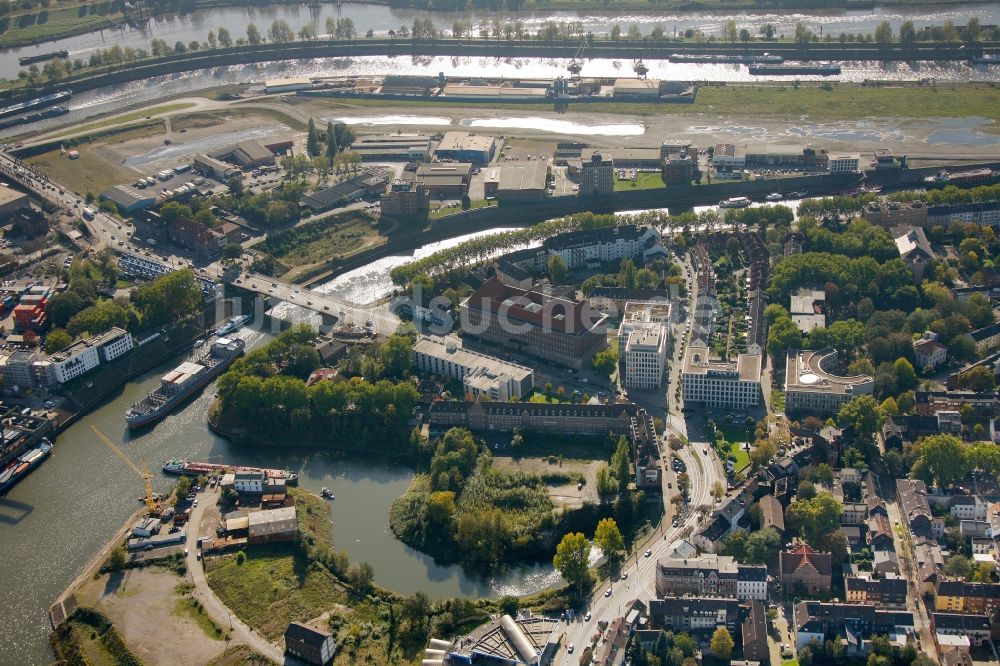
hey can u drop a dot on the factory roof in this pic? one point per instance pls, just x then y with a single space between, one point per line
517 176
453 141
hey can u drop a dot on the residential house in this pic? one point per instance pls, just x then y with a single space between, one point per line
913 506
247 481
986 338
695 614
890 591
853 513
885 562
958 596
880 533
754 632
968 507
772 514
929 352
802 567
914 249
853 624
976 626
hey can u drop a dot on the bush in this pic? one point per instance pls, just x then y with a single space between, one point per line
241 557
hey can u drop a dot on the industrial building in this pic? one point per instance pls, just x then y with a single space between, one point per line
445 180
517 180
407 147
369 183
313 646
466 147
221 171
272 525
287 85
245 154
529 322
405 197
481 375
720 384
526 641
129 199
811 386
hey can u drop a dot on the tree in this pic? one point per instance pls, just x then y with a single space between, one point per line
56 340
906 376
940 459
312 139
979 378
606 362
253 35
395 354
762 453
803 35
863 413
883 33
958 566
557 269
889 407
441 507
907 33
232 251
281 32
806 490
816 518
745 35
729 31
361 575
722 644
225 40
616 32
572 559
767 31
718 490
609 539
972 30
117 559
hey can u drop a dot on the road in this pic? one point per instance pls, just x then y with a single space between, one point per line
218 611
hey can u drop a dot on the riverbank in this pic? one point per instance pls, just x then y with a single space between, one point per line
137 66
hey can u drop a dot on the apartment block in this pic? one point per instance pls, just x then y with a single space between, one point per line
720 384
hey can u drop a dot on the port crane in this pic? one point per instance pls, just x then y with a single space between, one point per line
150 498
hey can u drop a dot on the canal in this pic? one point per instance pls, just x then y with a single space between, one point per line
53 522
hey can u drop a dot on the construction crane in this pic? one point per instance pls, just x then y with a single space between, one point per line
151 499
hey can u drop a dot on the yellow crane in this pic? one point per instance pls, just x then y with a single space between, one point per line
151 500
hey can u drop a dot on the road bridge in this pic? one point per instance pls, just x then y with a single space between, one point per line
332 309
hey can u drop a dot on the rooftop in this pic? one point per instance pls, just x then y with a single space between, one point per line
455 141
747 367
554 314
450 348
807 371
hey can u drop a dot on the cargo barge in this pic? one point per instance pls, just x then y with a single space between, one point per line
36 103
179 467
735 202
721 59
184 381
23 465
51 112
42 57
822 69
233 324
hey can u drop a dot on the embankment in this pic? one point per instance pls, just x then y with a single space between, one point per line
649 50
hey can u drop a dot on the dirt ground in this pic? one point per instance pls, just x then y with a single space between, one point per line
141 603
564 495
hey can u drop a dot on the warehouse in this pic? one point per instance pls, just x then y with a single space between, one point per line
445 180
11 200
466 147
369 183
246 154
495 92
636 88
272 525
129 199
520 180
393 147
217 169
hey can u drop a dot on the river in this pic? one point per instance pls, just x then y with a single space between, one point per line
53 522
380 19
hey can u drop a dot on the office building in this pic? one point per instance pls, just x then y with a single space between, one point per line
481 375
811 386
844 163
405 197
720 384
85 355
529 322
643 338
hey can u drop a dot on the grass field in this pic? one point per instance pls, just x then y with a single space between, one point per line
303 248
190 608
91 172
841 101
276 584
131 117
643 181
32 27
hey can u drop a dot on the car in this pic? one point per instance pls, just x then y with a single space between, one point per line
50 404
586 618
570 648
676 523
607 592
185 552
149 546
649 552
195 501
624 575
